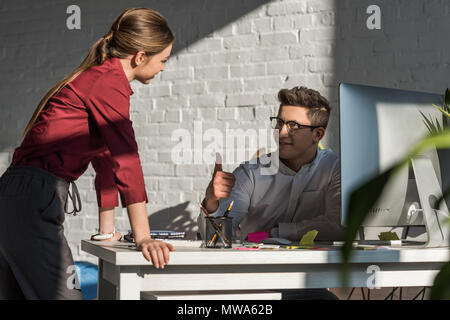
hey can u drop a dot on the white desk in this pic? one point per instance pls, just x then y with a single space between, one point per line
124 273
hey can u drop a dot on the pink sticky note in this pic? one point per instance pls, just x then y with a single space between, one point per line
257 236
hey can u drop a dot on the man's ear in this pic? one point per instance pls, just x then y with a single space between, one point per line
318 134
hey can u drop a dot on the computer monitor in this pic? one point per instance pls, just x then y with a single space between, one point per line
378 127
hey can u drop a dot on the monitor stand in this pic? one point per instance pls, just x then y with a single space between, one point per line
436 218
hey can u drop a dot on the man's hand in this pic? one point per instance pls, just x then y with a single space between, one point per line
155 251
220 186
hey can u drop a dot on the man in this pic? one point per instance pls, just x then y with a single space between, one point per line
302 195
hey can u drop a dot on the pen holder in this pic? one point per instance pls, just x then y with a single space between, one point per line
218 232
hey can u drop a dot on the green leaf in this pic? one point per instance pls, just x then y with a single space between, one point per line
440 140
441 285
438 125
361 201
445 112
428 123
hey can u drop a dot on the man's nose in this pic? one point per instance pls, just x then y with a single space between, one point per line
284 131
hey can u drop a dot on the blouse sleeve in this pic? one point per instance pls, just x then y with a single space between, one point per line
105 185
109 106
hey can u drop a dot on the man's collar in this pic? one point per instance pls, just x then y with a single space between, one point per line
288 171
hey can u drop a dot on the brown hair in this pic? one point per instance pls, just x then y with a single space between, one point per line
136 29
319 107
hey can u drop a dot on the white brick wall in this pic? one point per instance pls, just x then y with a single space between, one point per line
229 79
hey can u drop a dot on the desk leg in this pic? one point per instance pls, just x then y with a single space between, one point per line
105 289
129 287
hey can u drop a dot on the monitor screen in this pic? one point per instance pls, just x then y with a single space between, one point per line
378 126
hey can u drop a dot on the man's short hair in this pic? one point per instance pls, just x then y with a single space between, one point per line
319 107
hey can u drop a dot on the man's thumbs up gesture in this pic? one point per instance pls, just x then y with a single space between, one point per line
220 186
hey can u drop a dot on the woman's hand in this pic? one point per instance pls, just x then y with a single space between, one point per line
155 251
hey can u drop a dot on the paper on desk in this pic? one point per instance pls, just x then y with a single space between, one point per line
308 238
387 236
269 246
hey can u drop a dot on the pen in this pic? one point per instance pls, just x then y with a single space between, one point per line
215 225
228 210
213 239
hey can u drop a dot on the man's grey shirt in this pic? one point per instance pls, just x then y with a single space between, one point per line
291 202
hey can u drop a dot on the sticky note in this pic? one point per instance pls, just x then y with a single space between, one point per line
308 238
292 247
257 236
298 247
387 236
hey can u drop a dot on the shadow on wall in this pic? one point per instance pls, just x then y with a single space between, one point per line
407 52
37 35
176 218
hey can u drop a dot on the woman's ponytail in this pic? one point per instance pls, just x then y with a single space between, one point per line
136 29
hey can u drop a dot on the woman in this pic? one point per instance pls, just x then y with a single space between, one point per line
83 119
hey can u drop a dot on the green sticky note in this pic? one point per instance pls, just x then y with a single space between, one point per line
387 236
298 247
308 238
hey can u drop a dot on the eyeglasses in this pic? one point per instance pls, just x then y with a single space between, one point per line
278 123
